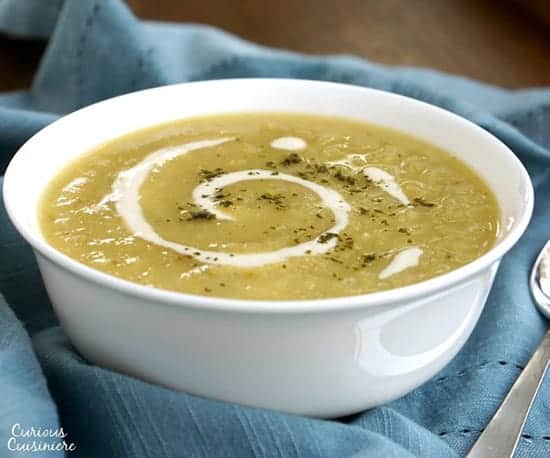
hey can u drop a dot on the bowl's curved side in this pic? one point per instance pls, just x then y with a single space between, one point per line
324 365
31 169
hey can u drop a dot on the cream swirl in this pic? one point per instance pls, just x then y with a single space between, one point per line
127 201
126 196
402 260
387 183
289 143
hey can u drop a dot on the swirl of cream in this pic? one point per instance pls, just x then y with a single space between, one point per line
125 195
127 200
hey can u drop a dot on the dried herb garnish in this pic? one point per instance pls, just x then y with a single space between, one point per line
225 203
324 238
346 243
210 174
367 258
321 168
423 203
277 199
292 158
404 230
345 178
202 214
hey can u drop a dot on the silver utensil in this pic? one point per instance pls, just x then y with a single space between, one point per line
501 436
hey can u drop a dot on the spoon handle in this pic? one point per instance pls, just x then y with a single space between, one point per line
501 436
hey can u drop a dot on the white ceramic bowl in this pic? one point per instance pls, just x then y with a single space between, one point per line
317 357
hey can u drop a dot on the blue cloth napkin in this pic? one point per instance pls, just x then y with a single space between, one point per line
98 49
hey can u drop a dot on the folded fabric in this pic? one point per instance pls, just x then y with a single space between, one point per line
98 49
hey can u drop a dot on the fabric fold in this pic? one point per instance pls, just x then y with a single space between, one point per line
25 401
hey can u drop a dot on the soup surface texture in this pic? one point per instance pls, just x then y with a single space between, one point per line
270 206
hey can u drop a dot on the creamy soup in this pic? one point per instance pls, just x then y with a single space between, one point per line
270 206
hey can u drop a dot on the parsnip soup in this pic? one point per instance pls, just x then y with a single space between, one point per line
270 206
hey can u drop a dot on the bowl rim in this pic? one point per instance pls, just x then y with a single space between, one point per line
415 291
